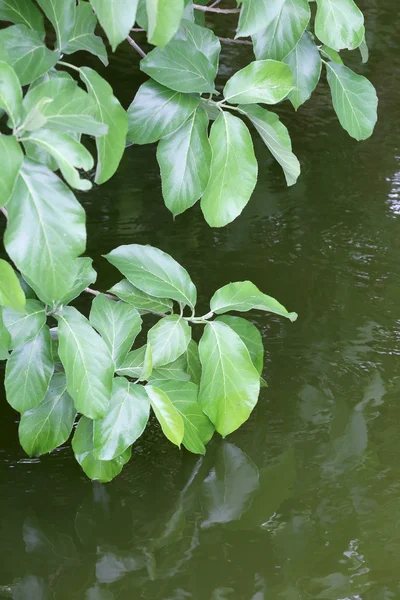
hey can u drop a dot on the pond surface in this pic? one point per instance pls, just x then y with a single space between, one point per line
304 501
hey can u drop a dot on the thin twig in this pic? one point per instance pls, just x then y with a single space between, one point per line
137 29
225 11
232 41
97 293
4 211
136 47
214 3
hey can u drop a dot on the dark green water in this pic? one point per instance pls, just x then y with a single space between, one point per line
304 501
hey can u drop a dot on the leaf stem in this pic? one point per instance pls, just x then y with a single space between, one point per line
225 11
221 104
136 47
66 64
232 41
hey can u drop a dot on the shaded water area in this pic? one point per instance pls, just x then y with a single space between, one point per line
303 502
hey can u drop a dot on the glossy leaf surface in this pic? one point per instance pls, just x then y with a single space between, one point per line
5 339
133 364
154 272
198 429
283 32
267 81
339 24
157 111
69 154
82 445
24 327
167 415
10 94
255 14
140 300
276 137
70 109
110 147
243 296
230 383
175 370
48 425
233 171
184 158
61 14
11 293
124 422
25 51
86 275
34 231
87 362
354 100
118 323
305 63
169 338
22 12
28 372
249 335
164 17
193 362
116 17
82 36
11 159
203 39
180 67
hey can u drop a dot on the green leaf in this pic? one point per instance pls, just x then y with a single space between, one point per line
233 171
82 36
364 51
157 111
167 415
277 139
111 146
44 428
164 17
181 67
339 24
5 339
116 17
255 14
86 275
243 296
193 362
140 300
249 335
154 272
10 93
354 100
82 445
176 369
281 34
61 14
87 362
147 364
198 429
184 158
22 12
118 323
69 154
11 292
71 109
305 63
266 81
331 54
133 364
24 327
203 39
35 230
28 372
124 422
24 50
169 338
230 383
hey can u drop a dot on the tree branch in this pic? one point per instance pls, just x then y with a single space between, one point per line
232 41
89 290
136 47
225 11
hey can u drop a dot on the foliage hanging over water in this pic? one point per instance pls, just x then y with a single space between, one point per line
59 363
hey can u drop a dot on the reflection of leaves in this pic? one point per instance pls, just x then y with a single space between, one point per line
229 487
275 487
172 530
112 566
32 587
